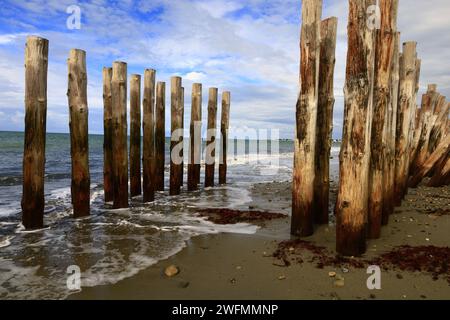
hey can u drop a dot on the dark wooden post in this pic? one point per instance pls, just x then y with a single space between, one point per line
195 140
182 138
437 132
328 31
160 135
405 104
79 139
384 54
302 220
352 200
135 135
388 198
224 125
210 152
36 65
107 136
176 133
120 152
149 155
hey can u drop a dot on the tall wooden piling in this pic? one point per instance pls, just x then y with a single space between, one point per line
328 31
352 200
437 132
135 135
210 152
384 54
195 138
441 176
120 157
389 183
160 135
36 65
79 139
149 154
182 138
302 220
224 126
176 146
405 106
107 136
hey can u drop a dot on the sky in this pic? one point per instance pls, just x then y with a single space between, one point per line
250 48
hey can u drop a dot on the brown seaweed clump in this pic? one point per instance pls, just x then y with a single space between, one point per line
431 260
229 216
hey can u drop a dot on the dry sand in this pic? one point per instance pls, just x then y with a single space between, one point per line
232 266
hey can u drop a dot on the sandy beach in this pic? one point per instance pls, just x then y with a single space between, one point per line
236 266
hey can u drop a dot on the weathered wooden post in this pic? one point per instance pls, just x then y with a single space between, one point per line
352 200
149 156
224 125
210 152
176 146
182 138
135 135
388 198
328 31
195 139
79 139
405 105
441 174
107 136
442 112
160 135
302 220
120 157
384 54
36 65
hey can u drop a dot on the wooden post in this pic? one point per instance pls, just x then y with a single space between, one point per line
79 139
437 132
176 133
384 54
302 220
352 200
328 31
210 152
149 156
120 157
441 176
182 139
36 65
418 128
389 183
224 125
195 140
135 135
107 136
160 135
405 106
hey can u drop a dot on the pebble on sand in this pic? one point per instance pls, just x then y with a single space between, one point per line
171 271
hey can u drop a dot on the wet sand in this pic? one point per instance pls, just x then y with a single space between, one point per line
233 266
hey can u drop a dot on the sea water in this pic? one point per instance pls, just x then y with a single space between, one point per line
111 245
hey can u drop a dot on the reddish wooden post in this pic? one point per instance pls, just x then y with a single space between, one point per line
328 31
176 133
79 139
36 65
107 136
384 54
224 125
135 135
302 219
352 200
149 157
210 152
160 135
195 140
120 152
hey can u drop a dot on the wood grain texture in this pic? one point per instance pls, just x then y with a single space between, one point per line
195 138
107 136
160 135
210 152
135 135
149 153
175 140
224 126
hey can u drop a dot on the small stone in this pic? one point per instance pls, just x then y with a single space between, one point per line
233 281
183 284
291 249
282 277
345 270
238 268
332 274
171 271
399 276
427 239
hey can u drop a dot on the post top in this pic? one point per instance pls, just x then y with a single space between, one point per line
432 87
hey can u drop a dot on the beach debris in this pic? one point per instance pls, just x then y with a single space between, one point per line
230 216
232 280
238 267
183 284
171 271
332 274
345 270
282 277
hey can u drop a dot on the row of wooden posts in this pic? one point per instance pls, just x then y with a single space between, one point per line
388 144
116 158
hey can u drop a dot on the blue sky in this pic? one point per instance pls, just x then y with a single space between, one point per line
247 47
